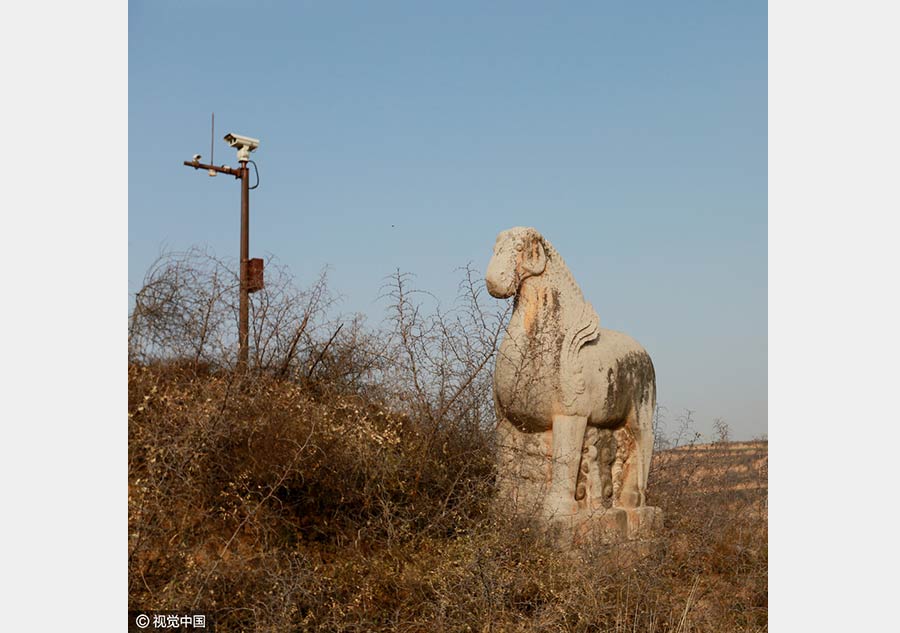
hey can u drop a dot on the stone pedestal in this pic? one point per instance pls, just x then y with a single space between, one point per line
644 522
611 525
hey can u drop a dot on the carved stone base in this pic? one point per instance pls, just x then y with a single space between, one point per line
644 522
611 525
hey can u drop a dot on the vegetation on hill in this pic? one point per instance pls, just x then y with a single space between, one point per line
345 482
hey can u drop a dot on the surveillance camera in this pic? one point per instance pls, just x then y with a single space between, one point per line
244 145
197 158
236 140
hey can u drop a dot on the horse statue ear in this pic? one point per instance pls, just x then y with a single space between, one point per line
534 259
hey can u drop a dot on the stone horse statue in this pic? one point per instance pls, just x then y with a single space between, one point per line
574 402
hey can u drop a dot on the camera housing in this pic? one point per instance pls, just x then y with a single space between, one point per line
244 145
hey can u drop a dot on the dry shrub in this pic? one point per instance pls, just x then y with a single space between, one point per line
352 492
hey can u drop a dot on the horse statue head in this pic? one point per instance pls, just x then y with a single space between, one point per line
519 253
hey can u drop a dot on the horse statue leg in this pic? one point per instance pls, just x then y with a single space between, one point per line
568 438
639 428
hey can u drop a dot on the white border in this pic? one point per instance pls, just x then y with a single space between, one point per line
64 314
833 318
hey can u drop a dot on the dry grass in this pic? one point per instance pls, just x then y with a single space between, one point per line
275 508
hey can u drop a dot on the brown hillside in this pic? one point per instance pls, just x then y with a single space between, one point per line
274 506
721 467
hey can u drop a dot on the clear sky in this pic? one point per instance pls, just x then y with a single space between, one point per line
407 135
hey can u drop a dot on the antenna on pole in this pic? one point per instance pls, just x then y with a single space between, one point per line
212 136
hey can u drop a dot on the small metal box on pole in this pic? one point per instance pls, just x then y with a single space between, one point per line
255 275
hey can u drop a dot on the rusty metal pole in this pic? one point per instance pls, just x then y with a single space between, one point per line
244 308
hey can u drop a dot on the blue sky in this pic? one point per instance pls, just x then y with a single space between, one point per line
407 135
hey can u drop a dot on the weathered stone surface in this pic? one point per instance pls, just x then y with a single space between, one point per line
609 525
574 401
644 522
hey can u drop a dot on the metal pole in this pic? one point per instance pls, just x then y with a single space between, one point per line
243 325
